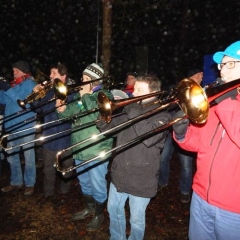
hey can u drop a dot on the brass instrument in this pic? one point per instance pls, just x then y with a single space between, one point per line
46 83
61 92
60 89
190 97
210 85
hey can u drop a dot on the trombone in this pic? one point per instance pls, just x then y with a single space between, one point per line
60 89
169 95
40 77
46 84
191 98
61 92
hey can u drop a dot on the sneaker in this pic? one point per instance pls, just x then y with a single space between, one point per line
185 197
11 188
29 191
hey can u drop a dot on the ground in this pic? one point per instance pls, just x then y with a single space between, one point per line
21 218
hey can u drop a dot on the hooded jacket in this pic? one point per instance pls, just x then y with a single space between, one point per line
217 144
135 169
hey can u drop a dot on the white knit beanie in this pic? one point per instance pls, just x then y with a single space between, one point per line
94 71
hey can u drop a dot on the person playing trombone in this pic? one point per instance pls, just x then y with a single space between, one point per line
215 204
52 145
21 87
92 176
135 170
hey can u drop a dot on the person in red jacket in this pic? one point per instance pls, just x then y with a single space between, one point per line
130 81
215 204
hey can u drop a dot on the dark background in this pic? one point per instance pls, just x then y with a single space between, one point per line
166 37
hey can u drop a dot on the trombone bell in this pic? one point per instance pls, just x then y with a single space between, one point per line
193 101
60 89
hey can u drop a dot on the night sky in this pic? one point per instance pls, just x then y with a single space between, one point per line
162 37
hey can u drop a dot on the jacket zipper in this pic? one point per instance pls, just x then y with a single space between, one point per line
209 185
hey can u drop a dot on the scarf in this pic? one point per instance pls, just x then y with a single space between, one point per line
19 80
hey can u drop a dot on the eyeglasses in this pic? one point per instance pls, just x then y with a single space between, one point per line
229 65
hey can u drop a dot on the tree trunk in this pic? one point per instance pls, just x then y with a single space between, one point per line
107 35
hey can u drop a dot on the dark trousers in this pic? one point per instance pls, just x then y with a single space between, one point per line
50 172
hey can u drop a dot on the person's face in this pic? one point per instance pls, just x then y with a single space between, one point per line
197 77
86 87
17 73
55 74
131 80
140 89
232 72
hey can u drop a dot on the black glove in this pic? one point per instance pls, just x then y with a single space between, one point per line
180 127
133 110
4 85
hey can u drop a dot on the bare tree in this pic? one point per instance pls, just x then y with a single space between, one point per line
107 34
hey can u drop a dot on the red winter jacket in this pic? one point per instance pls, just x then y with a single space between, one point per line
217 179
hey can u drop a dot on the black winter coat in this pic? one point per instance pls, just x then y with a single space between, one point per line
135 170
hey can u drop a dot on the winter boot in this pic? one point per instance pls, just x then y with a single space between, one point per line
88 210
98 217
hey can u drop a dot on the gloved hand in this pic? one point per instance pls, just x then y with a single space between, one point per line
133 110
180 127
4 85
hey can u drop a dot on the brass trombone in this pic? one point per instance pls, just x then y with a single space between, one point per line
191 98
46 83
56 83
61 92
189 95
37 126
169 95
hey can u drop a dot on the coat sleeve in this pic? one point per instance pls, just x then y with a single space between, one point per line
90 102
151 124
21 91
228 112
192 140
117 121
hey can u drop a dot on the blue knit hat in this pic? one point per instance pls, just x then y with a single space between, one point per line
232 51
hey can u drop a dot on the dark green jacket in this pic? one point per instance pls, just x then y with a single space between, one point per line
91 148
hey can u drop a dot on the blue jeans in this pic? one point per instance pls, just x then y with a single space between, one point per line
92 179
186 159
116 210
14 160
208 222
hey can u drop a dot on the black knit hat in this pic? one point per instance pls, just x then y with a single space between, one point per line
132 74
22 66
192 72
